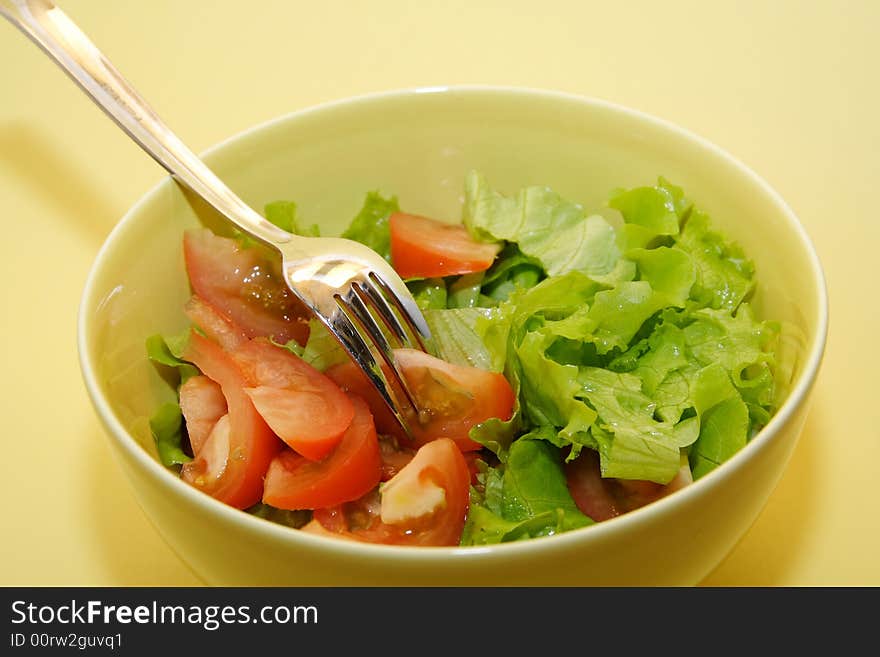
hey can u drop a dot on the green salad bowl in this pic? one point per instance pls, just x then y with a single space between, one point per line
418 144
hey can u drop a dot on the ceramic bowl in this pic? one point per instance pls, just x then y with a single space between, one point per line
418 144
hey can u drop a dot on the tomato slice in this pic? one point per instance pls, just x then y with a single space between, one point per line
202 404
220 329
604 498
347 473
214 452
245 285
432 494
427 248
452 398
304 407
635 493
590 491
232 470
315 527
394 456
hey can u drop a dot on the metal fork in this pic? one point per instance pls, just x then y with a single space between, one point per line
352 290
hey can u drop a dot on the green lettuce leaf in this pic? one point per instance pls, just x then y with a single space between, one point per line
556 298
512 270
492 327
555 232
669 271
292 346
370 226
527 497
551 392
740 344
711 385
545 387
168 351
429 293
492 480
724 276
322 350
653 334
496 434
666 371
534 483
650 212
483 527
166 425
619 313
632 444
464 291
456 339
666 353
283 215
723 432
723 419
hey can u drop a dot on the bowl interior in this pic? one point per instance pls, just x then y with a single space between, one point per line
418 146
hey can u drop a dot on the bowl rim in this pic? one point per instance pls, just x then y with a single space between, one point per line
345 548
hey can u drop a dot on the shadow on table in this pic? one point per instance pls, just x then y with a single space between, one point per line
129 547
765 555
43 168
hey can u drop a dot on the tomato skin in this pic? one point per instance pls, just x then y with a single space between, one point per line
238 479
605 498
443 464
467 397
202 404
245 286
305 408
351 379
316 528
220 329
590 492
351 470
453 399
423 247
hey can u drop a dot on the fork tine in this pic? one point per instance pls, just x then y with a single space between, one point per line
387 314
416 323
355 304
360 351
360 304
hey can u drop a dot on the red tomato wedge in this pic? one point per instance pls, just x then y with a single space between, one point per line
217 327
347 473
604 498
452 398
316 528
394 456
245 286
589 491
304 407
432 494
232 470
635 493
426 248
202 404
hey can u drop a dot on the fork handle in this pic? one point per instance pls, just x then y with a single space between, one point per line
57 35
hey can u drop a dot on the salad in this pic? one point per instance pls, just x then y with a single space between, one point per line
585 364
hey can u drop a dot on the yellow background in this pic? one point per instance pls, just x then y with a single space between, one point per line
788 87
